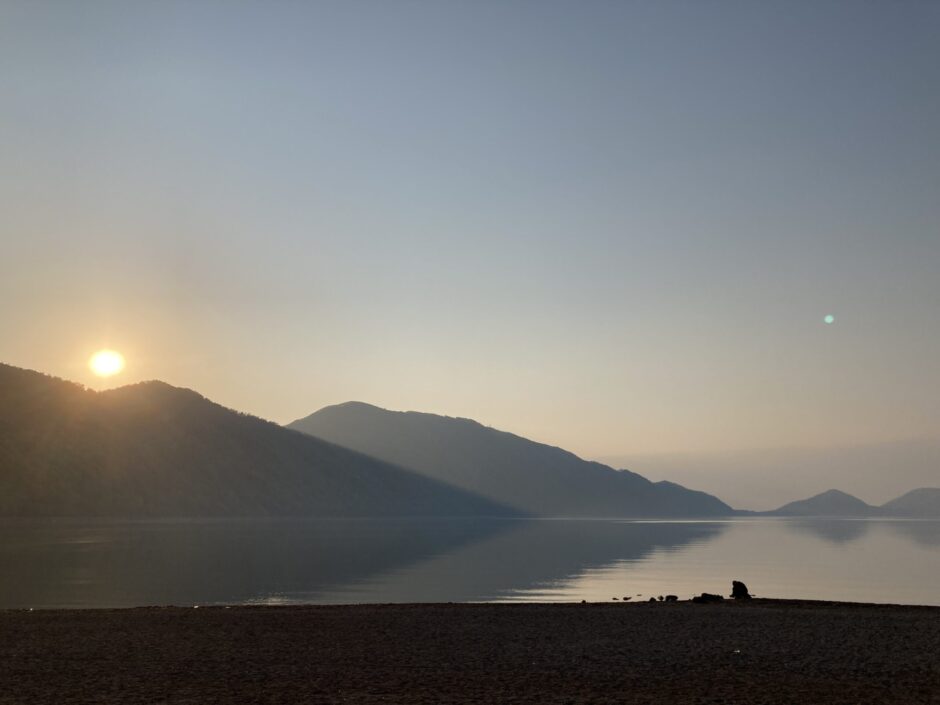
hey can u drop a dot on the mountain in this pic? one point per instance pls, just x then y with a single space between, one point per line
830 503
533 477
151 449
923 502
765 478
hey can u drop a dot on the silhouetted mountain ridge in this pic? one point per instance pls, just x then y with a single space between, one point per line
540 479
151 449
828 503
923 502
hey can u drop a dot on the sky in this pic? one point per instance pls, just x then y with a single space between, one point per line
616 227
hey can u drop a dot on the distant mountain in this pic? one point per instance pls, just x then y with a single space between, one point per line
923 502
833 503
154 450
536 478
765 478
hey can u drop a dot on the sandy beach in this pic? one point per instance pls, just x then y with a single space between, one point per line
767 651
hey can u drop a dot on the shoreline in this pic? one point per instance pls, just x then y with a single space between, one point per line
753 602
760 651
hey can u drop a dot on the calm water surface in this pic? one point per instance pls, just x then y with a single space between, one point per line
71 563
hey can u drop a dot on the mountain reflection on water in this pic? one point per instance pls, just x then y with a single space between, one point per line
73 563
839 531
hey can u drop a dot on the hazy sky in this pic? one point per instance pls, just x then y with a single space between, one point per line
612 226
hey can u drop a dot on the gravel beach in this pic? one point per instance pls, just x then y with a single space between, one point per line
764 651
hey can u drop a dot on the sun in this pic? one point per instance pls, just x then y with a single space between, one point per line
105 363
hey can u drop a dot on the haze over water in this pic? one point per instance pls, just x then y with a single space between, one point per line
74 563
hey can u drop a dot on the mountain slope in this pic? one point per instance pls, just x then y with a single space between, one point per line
829 503
923 502
155 450
503 467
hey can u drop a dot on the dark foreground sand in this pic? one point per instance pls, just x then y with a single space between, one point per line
762 652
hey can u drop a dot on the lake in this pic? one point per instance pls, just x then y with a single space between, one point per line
101 563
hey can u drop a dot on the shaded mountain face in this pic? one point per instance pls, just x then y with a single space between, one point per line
830 503
154 450
536 478
923 502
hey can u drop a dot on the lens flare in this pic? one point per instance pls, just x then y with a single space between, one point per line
105 363
829 319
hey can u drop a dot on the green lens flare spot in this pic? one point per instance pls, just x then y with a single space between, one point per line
829 319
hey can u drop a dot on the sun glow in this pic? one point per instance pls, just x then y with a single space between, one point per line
105 363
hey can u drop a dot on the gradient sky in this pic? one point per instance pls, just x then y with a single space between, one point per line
615 227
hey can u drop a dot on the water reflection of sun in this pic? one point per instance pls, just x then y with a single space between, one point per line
106 363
